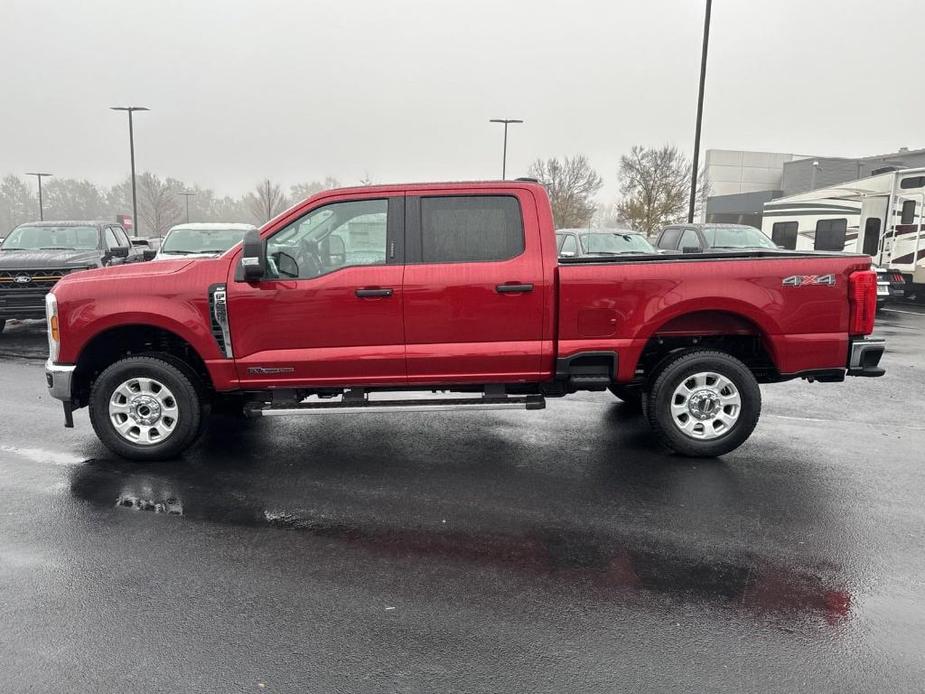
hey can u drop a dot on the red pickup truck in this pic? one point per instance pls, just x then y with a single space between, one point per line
349 300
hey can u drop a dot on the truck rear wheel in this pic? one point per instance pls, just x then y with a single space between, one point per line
144 408
703 403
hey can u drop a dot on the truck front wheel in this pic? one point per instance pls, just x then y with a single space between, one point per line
144 408
704 403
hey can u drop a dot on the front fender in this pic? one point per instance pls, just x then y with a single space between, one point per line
188 320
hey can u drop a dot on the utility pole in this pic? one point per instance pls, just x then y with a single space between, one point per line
187 194
507 122
40 176
131 145
703 78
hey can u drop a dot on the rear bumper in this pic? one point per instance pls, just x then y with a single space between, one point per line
864 356
58 378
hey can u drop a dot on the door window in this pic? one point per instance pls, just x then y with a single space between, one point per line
908 212
111 240
830 234
669 239
121 237
784 234
330 238
689 239
470 228
569 247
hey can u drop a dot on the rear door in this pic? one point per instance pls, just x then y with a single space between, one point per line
474 288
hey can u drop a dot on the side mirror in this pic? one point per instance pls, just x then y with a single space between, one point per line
254 257
148 254
119 251
691 249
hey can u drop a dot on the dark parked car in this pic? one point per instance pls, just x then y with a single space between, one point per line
581 243
696 238
34 256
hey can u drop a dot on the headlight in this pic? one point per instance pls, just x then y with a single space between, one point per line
51 317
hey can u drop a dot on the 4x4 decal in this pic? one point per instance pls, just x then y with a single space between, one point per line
803 280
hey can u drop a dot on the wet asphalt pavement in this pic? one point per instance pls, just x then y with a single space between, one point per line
550 551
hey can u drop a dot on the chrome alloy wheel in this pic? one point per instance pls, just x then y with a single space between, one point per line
143 411
705 405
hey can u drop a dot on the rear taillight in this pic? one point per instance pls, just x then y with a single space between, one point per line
898 278
862 300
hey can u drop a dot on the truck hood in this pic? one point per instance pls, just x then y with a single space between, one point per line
129 270
48 260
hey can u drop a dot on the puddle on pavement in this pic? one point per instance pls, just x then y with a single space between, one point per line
38 455
608 565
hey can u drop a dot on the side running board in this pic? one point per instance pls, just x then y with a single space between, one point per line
353 404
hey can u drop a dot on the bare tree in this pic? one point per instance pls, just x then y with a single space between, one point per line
158 205
68 198
301 191
571 184
18 203
656 185
266 201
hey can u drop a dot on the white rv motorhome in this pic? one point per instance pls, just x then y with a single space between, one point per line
880 215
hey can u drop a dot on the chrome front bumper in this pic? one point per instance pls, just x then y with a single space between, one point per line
58 377
864 357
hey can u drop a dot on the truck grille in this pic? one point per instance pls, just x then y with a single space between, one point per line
12 280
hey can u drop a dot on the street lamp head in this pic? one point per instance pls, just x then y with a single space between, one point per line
129 108
36 173
504 120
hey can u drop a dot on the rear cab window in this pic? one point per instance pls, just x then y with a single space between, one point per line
470 228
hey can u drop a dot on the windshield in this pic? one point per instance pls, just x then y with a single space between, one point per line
183 241
52 238
736 237
615 243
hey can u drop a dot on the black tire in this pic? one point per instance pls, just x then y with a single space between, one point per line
631 395
670 377
190 413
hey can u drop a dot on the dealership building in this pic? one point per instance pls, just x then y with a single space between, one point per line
741 181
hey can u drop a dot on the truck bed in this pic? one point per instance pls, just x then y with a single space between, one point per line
795 302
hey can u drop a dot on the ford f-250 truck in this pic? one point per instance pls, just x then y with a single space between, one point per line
349 300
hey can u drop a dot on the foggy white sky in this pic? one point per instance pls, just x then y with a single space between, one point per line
403 89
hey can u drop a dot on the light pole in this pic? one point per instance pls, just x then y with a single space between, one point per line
40 176
507 122
131 145
703 79
187 194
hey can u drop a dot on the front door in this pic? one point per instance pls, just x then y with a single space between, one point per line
474 289
330 309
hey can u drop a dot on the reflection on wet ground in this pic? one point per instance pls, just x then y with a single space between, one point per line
607 565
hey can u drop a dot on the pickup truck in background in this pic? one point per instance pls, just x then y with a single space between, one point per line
349 300
34 256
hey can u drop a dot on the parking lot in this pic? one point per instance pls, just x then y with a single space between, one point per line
559 551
